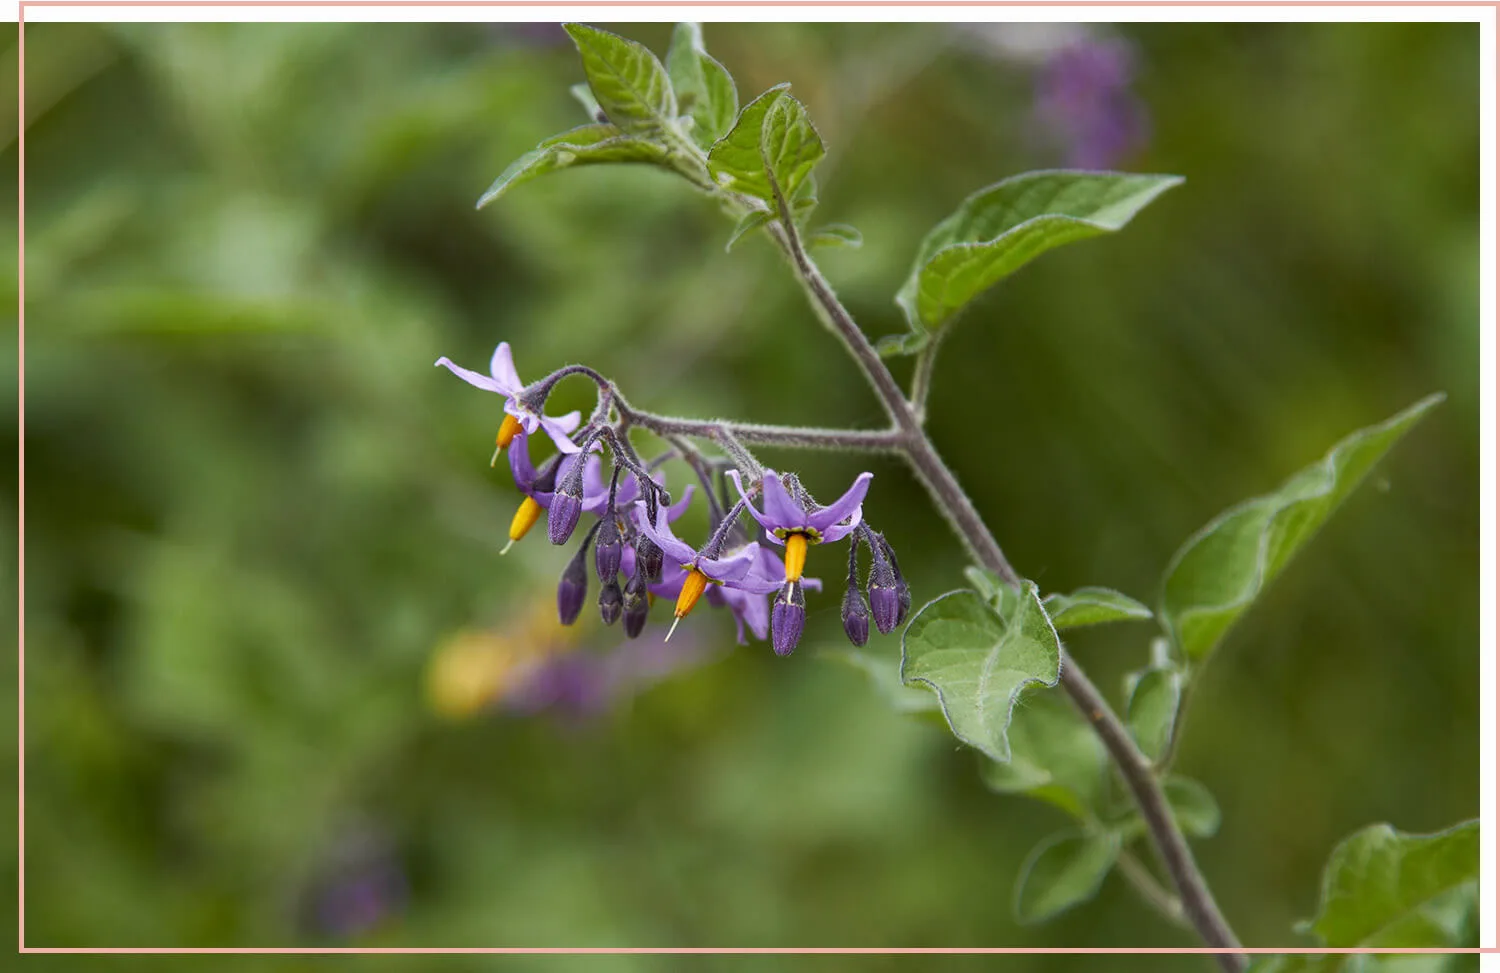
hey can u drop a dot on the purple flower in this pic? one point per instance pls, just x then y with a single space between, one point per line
745 598
783 515
503 380
1084 99
722 568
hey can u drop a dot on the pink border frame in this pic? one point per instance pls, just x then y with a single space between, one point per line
21 485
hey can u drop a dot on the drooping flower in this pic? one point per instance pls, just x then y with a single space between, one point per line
702 568
539 485
520 414
790 520
746 597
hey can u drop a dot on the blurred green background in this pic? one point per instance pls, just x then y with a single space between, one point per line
255 513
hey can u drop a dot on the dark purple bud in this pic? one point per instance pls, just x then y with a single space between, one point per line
885 585
788 612
903 590
637 605
567 500
856 616
608 547
611 602
648 558
572 588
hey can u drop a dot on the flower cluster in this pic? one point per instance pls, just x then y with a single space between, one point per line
631 512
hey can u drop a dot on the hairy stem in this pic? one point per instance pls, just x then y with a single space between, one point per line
1197 900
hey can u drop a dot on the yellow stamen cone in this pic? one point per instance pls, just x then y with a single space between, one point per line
526 517
796 556
508 430
692 589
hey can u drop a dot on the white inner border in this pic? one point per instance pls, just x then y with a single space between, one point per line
1485 16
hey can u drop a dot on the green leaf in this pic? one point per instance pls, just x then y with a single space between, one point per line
585 97
1055 757
587 145
1379 877
1193 806
705 91
836 235
1218 573
1152 710
893 345
978 661
628 81
1063 871
771 149
1093 606
985 581
749 223
1001 228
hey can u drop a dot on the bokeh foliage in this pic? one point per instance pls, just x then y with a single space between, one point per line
255 511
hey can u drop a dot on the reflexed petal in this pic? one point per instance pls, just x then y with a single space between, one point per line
559 428
840 531
760 518
731 567
473 378
504 369
825 517
782 511
677 551
522 470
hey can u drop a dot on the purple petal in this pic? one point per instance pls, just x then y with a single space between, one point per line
840 531
760 518
825 517
559 428
522 470
731 567
504 369
678 551
782 512
473 378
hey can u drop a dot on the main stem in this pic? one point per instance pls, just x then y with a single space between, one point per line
1198 902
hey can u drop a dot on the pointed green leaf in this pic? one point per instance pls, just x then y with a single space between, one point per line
1055 757
1063 871
892 345
588 145
999 229
1152 710
771 149
705 91
1093 606
836 235
628 81
1379 877
977 661
1221 569
749 223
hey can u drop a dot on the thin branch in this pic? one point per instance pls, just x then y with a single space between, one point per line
921 377
1141 879
1177 858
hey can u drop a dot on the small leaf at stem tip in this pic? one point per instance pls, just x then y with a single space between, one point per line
1151 712
586 145
999 229
1093 606
627 80
770 150
1062 872
894 345
749 223
978 660
704 89
836 235
1220 571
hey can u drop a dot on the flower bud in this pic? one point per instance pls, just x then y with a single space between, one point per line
788 613
856 616
903 590
567 500
648 558
637 605
611 602
608 547
885 586
572 588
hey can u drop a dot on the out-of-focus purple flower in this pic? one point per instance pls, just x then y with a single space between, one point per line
361 885
783 515
1084 100
583 683
504 381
